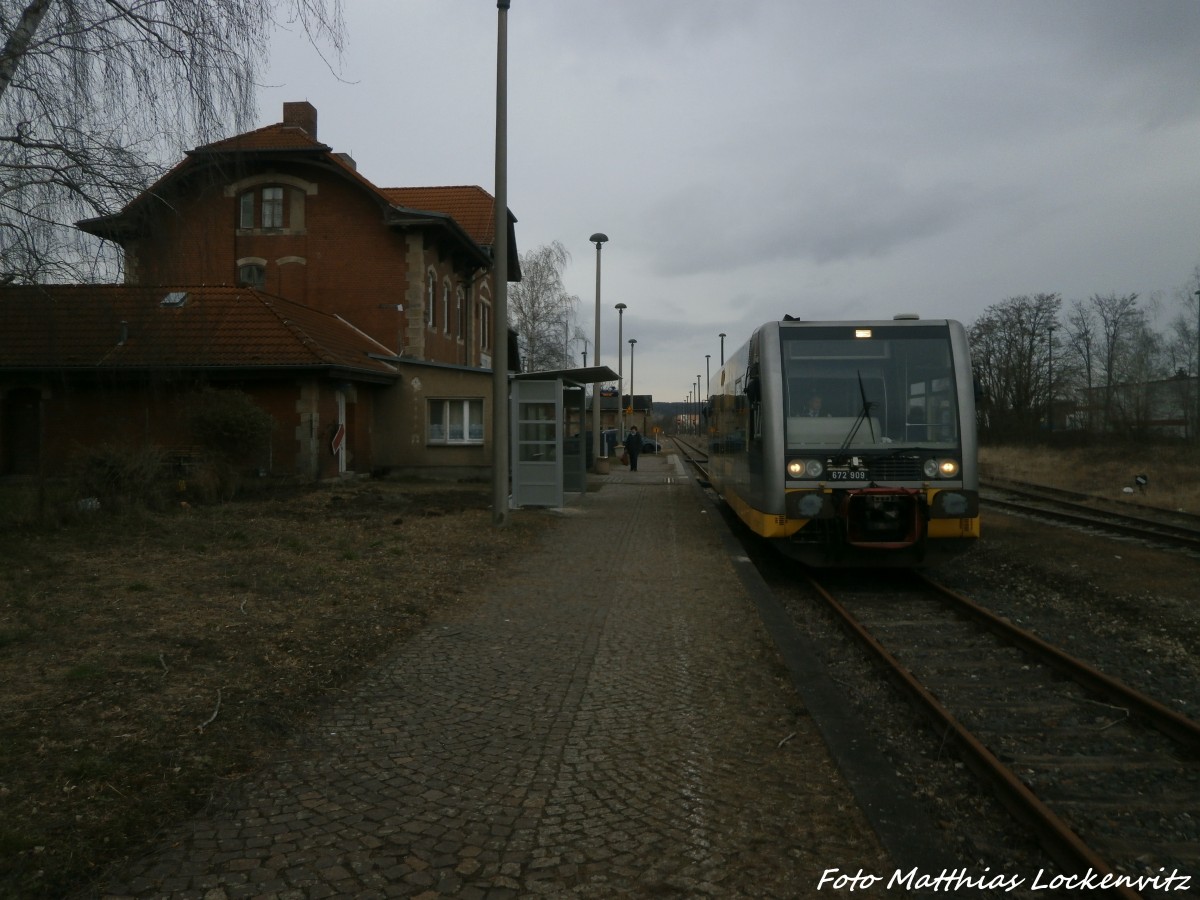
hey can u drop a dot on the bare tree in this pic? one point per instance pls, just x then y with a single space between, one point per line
97 96
541 310
1119 319
1010 349
1081 349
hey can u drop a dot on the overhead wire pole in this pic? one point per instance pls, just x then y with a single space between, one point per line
500 454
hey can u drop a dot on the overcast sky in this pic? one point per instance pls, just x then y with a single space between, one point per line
754 158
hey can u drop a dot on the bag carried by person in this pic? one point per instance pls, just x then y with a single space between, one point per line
624 458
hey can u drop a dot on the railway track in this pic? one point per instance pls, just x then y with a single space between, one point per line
1157 526
1107 778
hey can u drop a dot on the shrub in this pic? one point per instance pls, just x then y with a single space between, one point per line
230 425
112 477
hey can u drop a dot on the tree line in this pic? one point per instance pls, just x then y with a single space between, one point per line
1088 365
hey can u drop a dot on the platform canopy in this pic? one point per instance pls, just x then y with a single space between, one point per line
586 375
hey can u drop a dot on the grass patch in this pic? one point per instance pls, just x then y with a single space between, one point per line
118 631
1105 470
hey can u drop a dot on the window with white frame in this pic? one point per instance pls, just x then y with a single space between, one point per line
272 207
263 208
456 421
485 326
446 307
430 297
460 312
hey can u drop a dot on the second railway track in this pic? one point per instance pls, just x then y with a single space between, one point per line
1108 778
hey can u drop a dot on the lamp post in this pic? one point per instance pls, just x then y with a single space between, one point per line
500 450
620 308
722 337
599 240
632 341
1196 427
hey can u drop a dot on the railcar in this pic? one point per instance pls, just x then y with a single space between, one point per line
849 443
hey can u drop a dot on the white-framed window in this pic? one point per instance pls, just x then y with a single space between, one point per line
246 210
460 313
272 207
445 307
485 326
430 298
456 421
264 208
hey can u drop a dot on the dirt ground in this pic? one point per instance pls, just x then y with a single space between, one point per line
149 660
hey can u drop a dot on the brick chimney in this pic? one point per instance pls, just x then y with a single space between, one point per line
301 114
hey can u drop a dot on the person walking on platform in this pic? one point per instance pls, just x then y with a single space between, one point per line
633 446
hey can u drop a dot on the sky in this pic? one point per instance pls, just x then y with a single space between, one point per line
849 159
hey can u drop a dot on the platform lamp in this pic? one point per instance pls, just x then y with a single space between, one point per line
722 337
1196 429
599 239
620 308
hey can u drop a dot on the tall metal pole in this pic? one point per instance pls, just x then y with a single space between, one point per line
599 239
621 307
1196 374
500 454
722 337
632 341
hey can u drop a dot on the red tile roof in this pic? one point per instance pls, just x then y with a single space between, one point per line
269 137
117 327
469 205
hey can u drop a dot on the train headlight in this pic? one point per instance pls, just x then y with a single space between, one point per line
941 468
805 468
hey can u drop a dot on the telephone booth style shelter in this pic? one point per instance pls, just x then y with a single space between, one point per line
548 434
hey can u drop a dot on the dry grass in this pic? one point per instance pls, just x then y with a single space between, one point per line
149 660
1105 471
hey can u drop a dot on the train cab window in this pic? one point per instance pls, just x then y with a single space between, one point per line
895 388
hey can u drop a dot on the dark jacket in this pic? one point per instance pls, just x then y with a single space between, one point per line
633 443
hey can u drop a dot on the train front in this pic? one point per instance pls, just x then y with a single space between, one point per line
880 453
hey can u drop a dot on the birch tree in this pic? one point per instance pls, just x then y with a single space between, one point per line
541 310
97 97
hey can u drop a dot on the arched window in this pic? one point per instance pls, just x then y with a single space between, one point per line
460 312
252 275
446 307
430 300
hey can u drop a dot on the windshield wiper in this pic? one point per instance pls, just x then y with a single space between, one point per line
864 415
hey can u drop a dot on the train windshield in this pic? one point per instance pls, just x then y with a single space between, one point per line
869 386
